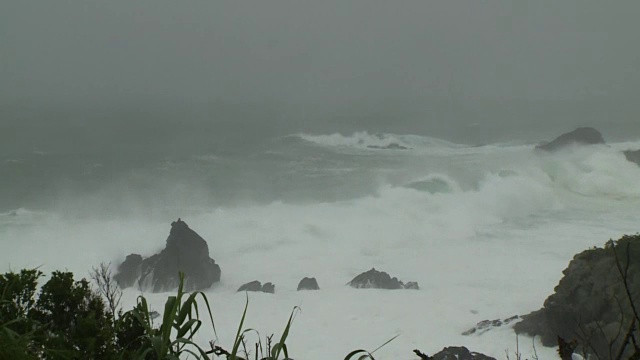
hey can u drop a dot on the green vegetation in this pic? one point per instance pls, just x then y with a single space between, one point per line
68 320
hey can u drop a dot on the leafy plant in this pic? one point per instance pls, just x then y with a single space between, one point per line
366 354
180 322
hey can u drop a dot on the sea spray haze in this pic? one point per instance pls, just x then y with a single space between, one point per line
321 139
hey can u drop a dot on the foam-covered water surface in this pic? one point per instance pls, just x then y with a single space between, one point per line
485 231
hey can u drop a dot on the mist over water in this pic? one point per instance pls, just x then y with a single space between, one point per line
322 139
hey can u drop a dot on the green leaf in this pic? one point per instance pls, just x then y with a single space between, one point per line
354 353
239 337
188 326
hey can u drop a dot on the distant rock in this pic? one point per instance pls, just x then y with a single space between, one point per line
633 156
256 286
374 279
308 284
269 288
185 251
412 285
392 146
579 136
486 325
251 286
454 353
590 299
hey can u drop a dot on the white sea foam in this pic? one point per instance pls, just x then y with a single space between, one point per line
479 252
364 140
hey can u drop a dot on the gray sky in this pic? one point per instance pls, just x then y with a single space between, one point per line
321 61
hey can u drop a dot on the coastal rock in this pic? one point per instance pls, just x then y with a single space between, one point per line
633 156
579 136
486 325
268 288
374 279
455 353
185 251
257 286
412 285
590 300
129 271
308 284
251 286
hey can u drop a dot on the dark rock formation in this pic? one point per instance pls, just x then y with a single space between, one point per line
412 285
591 301
486 325
633 156
579 136
129 271
185 252
454 353
269 288
374 279
308 284
257 286
251 286
392 146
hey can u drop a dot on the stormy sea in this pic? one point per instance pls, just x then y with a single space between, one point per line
485 230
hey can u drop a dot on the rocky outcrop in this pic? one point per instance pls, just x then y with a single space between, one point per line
308 284
486 325
412 285
633 156
591 301
185 251
257 286
579 136
129 271
454 353
374 279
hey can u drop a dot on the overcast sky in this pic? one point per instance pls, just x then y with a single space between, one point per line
320 54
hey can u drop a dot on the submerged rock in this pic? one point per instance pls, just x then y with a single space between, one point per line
633 156
374 279
185 251
392 146
257 286
308 284
590 300
579 136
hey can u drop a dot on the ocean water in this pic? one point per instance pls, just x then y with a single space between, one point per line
485 230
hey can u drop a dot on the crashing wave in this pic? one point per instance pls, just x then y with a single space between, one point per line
434 184
364 140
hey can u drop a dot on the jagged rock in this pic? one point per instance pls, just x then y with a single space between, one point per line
459 353
590 300
129 271
308 284
486 325
374 279
579 136
412 285
185 252
258 286
633 156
